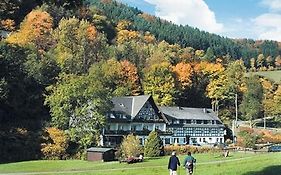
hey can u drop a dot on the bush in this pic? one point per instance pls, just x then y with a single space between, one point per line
153 145
55 144
184 149
269 136
247 138
130 147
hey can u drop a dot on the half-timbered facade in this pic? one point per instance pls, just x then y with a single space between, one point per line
133 114
193 125
140 115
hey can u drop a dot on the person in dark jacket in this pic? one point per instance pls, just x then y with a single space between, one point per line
173 164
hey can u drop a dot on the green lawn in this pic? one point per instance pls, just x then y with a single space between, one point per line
208 164
272 75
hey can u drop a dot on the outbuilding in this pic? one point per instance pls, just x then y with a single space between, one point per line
100 154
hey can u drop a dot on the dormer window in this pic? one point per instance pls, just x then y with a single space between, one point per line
111 116
122 105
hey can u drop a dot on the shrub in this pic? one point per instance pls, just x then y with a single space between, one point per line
130 146
247 138
184 149
55 144
153 145
269 136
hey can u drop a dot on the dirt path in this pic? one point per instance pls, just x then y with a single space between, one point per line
117 169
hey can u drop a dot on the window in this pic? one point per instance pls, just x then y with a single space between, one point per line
204 139
176 140
120 127
134 128
112 116
140 140
167 140
188 121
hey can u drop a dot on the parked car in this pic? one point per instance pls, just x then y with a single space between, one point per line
274 148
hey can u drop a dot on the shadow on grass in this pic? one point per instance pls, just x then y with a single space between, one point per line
271 170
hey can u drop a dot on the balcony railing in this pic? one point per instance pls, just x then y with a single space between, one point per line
139 132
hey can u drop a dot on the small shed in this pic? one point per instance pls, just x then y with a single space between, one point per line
100 154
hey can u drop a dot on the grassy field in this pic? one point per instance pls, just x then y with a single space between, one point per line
208 164
272 75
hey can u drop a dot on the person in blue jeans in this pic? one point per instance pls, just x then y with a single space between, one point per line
173 164
189 162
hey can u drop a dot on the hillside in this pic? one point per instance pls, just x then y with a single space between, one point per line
271 75
187 36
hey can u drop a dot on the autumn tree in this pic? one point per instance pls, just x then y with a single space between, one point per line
120 81
223 87
278 61
277 102
183 72
269 61
35 29
159 81
79 45
55 144
268 95
260 61
253 64
130 146
251 105
129 76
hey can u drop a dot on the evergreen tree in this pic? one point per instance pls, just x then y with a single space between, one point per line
153 145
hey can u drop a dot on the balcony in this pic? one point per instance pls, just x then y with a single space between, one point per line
140 132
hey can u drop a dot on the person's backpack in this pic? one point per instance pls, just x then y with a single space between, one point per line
188 164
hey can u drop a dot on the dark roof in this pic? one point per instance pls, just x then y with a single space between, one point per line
101 150
130 105
190 113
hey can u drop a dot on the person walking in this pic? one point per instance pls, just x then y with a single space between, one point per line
189 162
173 164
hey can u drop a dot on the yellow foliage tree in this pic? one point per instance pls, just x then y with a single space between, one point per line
127 35
35 29
56 143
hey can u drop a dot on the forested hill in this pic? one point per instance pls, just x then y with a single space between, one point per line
187 36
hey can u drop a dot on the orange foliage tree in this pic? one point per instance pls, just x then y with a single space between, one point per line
183 72
35 29
130 76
